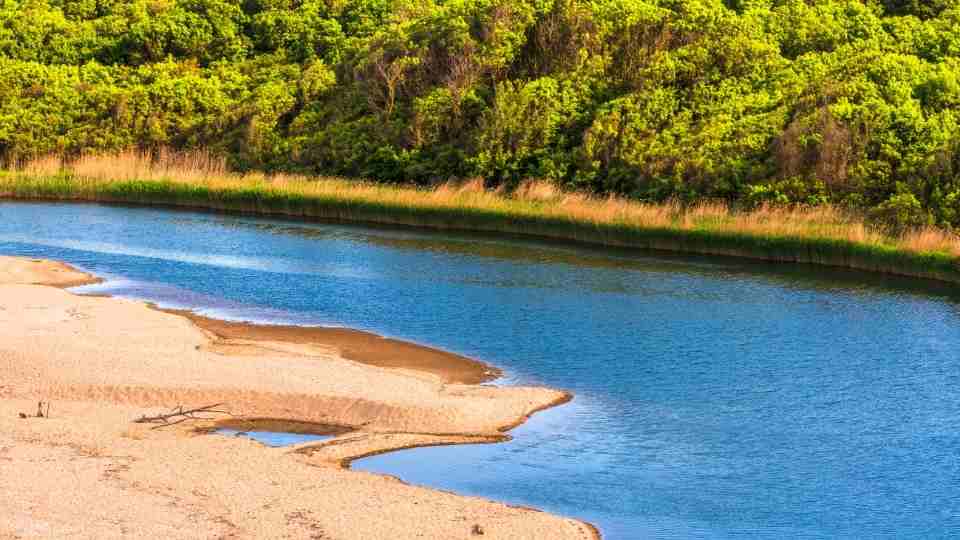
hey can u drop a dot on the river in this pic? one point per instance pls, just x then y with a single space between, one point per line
715 397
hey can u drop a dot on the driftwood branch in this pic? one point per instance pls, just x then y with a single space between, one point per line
178 415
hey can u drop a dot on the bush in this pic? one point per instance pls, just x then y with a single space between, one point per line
797 101
901 212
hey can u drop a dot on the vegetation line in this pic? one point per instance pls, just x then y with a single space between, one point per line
821 235
848 102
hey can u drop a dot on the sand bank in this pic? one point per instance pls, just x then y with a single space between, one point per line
356 345
89 472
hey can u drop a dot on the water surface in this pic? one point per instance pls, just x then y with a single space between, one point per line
274 439
715 398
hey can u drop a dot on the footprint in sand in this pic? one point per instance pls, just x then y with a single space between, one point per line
53 314
76 314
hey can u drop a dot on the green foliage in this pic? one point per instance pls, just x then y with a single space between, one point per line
854 102
525 132
790 191
901 211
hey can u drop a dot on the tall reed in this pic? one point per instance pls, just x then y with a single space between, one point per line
823 234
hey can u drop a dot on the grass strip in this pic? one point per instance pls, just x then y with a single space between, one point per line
823 237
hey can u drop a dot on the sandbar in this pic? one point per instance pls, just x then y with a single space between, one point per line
89 471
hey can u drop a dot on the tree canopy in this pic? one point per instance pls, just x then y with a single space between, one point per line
855 102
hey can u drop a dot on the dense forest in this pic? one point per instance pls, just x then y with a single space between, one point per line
855 102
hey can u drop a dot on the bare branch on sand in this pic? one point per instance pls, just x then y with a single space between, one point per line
178 415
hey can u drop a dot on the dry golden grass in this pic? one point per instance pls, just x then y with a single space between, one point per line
533 198
537 190
454 187
184 166
930 240
45 166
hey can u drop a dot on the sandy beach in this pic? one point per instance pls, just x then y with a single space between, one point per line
89 471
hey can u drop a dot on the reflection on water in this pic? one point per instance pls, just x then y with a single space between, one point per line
715 398
274 438
525 251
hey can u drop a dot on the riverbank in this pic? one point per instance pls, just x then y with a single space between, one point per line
355 345
88 471
821 236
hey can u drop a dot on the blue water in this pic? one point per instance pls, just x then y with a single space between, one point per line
715 398
274 438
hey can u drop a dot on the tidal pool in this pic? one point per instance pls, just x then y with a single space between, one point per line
715 398
274 439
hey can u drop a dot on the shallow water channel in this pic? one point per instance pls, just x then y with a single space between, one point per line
715 398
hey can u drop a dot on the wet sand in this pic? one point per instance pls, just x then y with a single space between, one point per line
90 472
356 345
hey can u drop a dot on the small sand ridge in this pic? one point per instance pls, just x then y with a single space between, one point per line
356 345
89 472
